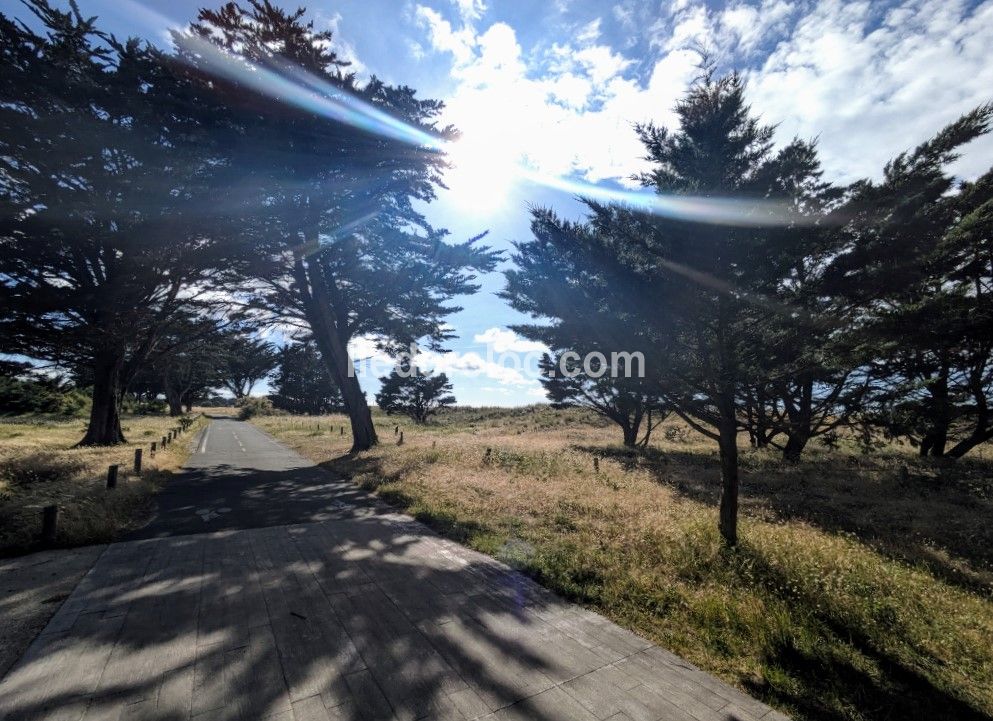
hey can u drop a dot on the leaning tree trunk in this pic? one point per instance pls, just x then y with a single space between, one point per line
334 351
104 428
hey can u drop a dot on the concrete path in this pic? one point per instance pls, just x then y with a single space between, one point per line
359 613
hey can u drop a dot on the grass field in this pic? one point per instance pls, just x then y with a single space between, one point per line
862 587
39 466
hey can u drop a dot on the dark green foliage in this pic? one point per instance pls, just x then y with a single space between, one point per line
244 362
339 247
108 215
415 393
626 401
687 295
23 391
302 383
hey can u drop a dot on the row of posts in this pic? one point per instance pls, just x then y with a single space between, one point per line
50 514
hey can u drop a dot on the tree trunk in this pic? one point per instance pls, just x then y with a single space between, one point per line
761 420
934 441
801 418
727 427
334 351
630 435
174 398
796 441
104 428
728 444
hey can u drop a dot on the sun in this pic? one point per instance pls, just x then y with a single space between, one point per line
483 173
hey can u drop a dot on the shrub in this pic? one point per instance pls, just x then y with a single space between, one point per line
40 468
251 406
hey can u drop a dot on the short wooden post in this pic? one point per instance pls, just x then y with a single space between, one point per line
153 449
396 429
165 441
137 461
343 430
49 524
112 476
400 442
596 464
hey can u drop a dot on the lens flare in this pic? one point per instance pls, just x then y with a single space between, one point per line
295 86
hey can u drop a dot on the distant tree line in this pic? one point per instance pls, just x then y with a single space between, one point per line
864 306
148 197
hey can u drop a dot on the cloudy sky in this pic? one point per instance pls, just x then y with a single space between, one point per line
555 87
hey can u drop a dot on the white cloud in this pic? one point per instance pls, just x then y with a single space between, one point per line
344 49
443 37
504 340
868 83
872 89
573 114
470 9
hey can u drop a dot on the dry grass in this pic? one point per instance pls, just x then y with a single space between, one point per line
39 466
858 591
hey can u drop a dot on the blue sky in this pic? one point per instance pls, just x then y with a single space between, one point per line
555 86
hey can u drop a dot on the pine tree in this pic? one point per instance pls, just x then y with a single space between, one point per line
689 296
918 270
107 230
329 206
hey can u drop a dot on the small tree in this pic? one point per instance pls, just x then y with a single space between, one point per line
410 391
625 401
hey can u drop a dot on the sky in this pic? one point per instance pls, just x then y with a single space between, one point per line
556 87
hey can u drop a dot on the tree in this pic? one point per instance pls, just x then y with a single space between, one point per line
918 269
302 384
687 295
107 231
341 251
245 362
410 391
188 361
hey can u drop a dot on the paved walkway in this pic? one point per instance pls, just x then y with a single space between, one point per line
363 614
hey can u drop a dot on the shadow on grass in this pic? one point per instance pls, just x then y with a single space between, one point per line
937 514
820 680
874 683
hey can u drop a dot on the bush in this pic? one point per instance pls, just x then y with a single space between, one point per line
251 406
40 468
35 395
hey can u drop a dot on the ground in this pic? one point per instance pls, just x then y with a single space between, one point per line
39 466
861 588
223 612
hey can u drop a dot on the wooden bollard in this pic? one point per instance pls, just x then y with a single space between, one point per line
165 441
343 430
137 461
112 476
400 442
152 452
49 524
596 464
